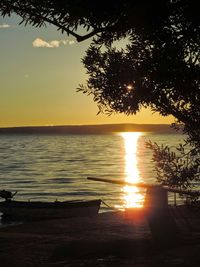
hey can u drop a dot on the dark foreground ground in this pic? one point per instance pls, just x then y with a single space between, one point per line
111 239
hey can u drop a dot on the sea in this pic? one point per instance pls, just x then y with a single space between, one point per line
56 167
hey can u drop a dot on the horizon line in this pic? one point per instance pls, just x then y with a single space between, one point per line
98 124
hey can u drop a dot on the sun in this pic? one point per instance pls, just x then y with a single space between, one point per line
129 87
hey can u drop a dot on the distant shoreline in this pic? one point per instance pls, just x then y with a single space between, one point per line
89 129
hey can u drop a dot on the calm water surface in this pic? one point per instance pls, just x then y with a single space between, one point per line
54 167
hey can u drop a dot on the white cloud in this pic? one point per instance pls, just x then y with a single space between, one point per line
71 42
4 26
38 42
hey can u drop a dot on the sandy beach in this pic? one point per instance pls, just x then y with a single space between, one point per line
108 239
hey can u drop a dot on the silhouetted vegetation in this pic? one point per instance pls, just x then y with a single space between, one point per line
89 129
157 68
175 168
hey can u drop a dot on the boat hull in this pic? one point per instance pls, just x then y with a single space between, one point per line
49 210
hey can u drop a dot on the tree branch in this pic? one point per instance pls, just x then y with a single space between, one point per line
78 37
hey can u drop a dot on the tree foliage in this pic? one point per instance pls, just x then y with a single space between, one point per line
159 66
109 19
179 168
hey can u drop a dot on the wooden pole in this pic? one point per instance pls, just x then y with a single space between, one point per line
121 182
174 199
143 185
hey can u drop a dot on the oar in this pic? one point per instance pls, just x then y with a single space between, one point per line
143 185
121 182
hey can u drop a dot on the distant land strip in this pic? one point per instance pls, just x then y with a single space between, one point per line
89 129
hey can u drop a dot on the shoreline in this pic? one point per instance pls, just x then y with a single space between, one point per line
109 239
89 129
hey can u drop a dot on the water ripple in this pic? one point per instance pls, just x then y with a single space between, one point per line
49 167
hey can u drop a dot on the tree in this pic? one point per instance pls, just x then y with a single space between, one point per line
106 20
109 19
159 66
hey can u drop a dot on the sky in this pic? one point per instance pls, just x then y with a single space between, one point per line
40 71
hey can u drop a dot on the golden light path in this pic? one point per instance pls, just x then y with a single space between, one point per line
132 195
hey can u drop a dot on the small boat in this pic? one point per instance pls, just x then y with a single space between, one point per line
35 210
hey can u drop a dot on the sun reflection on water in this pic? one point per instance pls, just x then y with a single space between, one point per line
133 198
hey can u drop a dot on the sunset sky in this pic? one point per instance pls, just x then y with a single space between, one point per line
39 72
